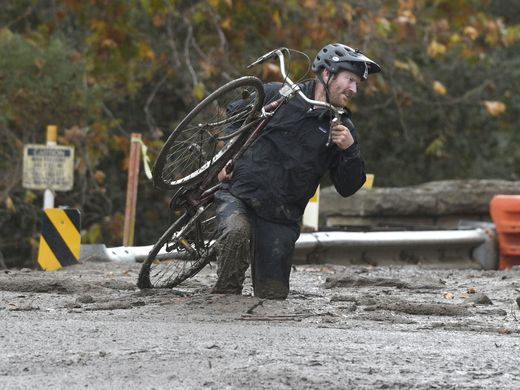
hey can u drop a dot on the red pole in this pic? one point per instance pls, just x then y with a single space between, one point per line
131 189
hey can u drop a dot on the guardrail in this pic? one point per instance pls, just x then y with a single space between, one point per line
472 247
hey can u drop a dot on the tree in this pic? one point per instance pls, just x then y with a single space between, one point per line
444 106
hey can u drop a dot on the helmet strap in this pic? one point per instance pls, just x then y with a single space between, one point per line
326 84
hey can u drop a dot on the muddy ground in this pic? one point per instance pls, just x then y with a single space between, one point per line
87 326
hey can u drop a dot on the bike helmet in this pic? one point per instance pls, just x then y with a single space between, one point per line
336 57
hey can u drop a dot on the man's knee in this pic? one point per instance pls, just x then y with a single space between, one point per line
237 225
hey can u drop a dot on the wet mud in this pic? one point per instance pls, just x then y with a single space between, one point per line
341 327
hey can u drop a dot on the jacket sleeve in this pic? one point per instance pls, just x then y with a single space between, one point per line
348 169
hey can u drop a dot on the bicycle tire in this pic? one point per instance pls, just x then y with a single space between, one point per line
192 238
196 147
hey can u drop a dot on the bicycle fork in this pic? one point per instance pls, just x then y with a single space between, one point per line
185 244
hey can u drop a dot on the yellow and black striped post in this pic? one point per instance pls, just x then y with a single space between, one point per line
60 239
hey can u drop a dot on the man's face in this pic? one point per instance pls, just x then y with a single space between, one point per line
343 87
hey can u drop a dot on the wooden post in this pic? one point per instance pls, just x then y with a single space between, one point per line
131 189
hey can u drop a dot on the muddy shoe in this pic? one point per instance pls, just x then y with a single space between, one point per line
226 289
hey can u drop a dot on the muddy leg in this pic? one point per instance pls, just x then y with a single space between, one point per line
233 244
274 245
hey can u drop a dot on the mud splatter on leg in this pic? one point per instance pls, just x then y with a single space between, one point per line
233 244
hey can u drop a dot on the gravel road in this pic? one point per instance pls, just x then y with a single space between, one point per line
87 326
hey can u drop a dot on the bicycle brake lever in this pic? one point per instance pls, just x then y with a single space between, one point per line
333 122
266 57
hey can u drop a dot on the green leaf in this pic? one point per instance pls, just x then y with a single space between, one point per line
199 91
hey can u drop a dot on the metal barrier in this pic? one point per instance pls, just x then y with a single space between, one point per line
472 247
461 248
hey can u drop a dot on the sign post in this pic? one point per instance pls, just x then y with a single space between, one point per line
48 195
50 168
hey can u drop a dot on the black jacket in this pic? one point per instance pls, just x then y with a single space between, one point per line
281 170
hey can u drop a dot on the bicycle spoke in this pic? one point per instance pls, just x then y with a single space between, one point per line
190 246
206 134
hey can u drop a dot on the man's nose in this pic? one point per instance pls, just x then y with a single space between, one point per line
353 87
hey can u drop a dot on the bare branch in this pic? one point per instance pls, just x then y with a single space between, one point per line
377 107
149 117
12 176
15 179
112 116
27 12
467 98
187 43
222 37
171 41
199 51
399 109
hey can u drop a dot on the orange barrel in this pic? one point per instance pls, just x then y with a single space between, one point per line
505 212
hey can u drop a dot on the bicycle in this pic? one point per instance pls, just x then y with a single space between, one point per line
214 135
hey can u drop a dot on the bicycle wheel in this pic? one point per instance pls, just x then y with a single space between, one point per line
204 139
182 251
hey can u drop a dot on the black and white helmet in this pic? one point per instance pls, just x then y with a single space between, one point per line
336 57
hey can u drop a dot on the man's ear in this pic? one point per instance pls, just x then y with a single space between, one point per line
325 75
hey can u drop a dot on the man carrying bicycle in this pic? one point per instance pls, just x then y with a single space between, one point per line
261 202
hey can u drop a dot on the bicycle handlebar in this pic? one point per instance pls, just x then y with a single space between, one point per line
294 88
267 56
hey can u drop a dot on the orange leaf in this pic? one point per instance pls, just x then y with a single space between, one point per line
435 49
9 204
365 28
209 69
401 65
495 108
439 88
214 3
471 32
406 17
277 19
100 176
226 24
108 43
40 63
145 52
310 4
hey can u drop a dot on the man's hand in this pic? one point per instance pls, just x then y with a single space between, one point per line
223 175
341 136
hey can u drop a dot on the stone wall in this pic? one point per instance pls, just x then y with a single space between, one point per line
438 204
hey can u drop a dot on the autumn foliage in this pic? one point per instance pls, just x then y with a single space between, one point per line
445 105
